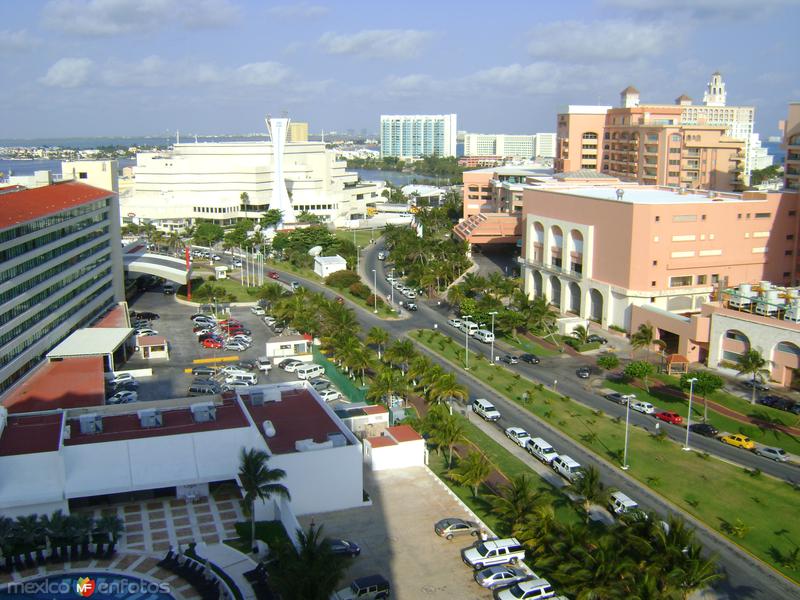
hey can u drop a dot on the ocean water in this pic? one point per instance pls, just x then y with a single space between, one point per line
29 167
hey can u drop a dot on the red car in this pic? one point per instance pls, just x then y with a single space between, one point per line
211 343
273 275
670 417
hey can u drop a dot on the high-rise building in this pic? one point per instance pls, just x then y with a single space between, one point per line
298 132
103 174
758 155
546 145
791 141
61 268
414 136
502 146
578 134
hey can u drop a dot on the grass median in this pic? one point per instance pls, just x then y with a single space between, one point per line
753 510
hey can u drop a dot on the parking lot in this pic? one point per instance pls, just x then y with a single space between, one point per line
397 538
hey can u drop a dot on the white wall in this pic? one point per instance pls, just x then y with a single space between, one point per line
399 456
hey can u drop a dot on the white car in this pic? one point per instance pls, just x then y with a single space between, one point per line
518 435
500 576
527 590
411 294
121 378
643 407
257 310
143 332
242 337
329 395
270 321
455 323
291 366
236 346
122 398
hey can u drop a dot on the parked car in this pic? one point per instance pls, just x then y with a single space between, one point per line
343 547
705 429
455 323
738 441
531 359
518 435
211 342
209 336
670 417
295 285
643 407
242 337
771 452
755 383
145 331
121 378
273 275
320 384
236 346
510 359
412 306
454 526
596 338
542 450
329 395
620 398
533 589
125 386
258 310
168 289
583 372
372 587
291 365
122 398
148 316
493 552
499 576
204 371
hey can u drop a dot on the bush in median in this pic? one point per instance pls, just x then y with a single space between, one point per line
342 279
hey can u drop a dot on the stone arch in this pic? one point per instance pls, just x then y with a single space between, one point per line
574 298
538 284
538 241
555 291
596 300
734 344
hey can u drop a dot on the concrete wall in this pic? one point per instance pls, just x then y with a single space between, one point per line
398 456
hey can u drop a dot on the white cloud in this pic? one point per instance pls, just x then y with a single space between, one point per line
601 41
16 41
68 73
119 17
261 73
713 9
377 43
405 86
298 10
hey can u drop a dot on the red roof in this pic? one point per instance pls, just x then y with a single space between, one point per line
403 433
115 318
381 441
69 383
375 409
298 416
26 435
29 204
176 421
151 340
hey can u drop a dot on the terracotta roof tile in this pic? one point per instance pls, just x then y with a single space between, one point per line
375 409
403 433
381 441
29 204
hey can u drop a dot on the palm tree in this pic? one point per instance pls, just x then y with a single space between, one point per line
516 500
418 368
7 541
84 524
446 387
258 482
360 359
644 337
591 488
385 384
472 471
271 292
379 337
400 353
107 530
448 431
30 534
541 318
753 363
56 529
456 295
581 333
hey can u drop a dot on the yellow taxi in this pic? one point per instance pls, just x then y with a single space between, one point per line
740 441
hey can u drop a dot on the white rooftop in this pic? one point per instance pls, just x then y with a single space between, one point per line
644 195
330 260
91 342
584 109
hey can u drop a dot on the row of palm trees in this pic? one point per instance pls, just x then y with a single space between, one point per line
639 557
33 539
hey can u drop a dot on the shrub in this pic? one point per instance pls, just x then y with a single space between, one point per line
372 300
608 361
359 290
342 279
618 329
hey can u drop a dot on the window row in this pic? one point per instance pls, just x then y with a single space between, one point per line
56 234
50 220
215 209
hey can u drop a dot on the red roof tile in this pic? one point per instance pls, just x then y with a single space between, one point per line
27 435
177 421
151 340
403 433
69 383
381 441
29 204
298 416
375 409
115 318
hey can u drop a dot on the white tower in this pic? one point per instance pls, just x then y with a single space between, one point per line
629 97
278 129
715 94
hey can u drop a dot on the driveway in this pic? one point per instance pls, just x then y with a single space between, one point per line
397 539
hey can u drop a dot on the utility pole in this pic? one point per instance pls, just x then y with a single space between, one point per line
689 414
466 341
493 313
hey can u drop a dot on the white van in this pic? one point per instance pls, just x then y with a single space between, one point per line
309 371
542 450
241 379
567 467
469 327
484 336
485 409
621 504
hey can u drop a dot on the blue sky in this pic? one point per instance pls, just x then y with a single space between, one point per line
135 67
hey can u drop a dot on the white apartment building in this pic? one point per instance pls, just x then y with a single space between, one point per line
413 136
759 156
510 146
546 145
226 181
60 268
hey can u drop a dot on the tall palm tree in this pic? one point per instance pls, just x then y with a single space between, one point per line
446 387
419 366
379 337
590 488
56 529
581 333
84 524
359 360
472 471
541 318
456 295
643 337
313 571
259 483
387 383
516 500
271 292
754 364
400 353
107 530
7 541
30 533
449 430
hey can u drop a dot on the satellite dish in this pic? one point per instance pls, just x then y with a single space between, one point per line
315 251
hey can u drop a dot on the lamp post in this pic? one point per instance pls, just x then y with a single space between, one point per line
689 414
375 290
493 313
627 423
466 342
392 288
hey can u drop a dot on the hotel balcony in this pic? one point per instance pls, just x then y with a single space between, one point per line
572 273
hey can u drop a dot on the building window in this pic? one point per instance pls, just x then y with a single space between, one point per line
763 215
715 278
790 236
739 216
732 334
652 284
83 175
702 217
792 213
675 137
787 274
787 253
684 218
674 150
658 218
655 263
680 281
701 280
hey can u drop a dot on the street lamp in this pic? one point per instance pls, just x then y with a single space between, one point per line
689 414
466 341
627 423
392 288
375 290
493 313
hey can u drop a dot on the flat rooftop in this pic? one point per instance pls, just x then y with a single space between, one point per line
93 341
645 195
298 416
29 204
69 383
30 434
175 422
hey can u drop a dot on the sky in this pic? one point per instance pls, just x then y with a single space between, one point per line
74 68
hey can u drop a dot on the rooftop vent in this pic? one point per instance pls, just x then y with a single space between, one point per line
204 412
269 428
257 398
91 423
151 417
620 193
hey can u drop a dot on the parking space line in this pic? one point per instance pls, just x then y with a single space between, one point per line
206 361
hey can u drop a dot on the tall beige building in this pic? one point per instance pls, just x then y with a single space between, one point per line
298 132
791 140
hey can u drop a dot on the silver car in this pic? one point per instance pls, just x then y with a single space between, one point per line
500 575
449 528
773 453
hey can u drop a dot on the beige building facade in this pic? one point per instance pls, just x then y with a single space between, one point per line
792 144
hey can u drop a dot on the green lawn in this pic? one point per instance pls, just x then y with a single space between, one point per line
526 345
231 286
720 494
362 236
771 437
271 532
